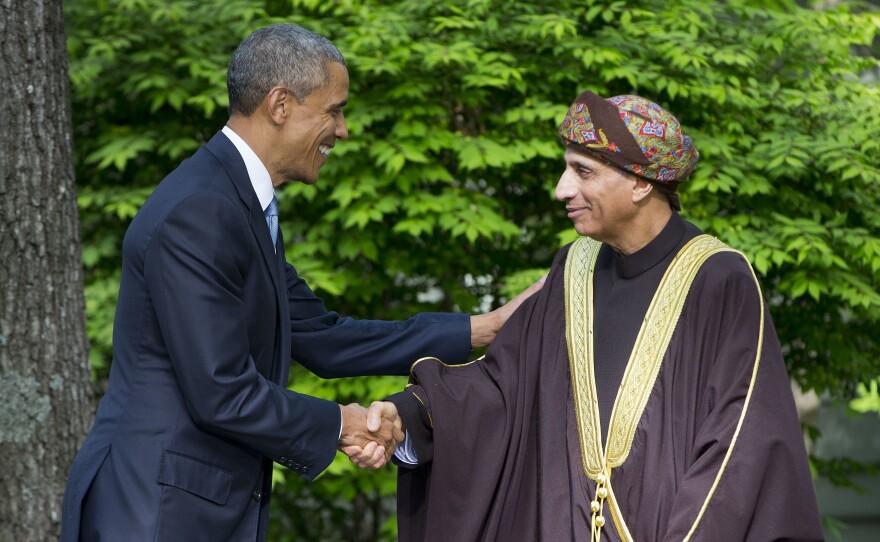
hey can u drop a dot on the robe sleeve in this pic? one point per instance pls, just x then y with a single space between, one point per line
474 430
748 476
461 440
417 422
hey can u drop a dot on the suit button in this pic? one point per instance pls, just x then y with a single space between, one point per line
257 495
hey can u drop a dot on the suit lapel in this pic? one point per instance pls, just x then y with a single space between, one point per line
264 239
228 155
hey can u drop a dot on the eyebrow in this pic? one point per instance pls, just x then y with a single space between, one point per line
576 163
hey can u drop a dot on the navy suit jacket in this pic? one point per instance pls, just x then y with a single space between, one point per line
197 408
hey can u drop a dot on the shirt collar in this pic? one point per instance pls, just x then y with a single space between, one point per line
654 252
256 170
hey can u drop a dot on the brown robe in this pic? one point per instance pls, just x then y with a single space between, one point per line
498 441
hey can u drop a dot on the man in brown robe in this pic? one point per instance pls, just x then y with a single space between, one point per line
640 395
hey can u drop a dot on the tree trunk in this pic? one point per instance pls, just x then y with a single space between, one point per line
46 395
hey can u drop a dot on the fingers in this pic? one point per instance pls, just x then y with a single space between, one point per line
371 456
484 327
537 285
397 434
386 410
370 436
374 415
528 292
351 451
507 309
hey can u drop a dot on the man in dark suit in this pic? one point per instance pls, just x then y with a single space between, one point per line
209 315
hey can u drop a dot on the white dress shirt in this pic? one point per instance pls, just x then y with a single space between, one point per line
256 170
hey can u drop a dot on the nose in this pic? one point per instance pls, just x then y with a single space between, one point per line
341 128
566 187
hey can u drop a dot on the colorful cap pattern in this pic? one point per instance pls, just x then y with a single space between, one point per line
632 133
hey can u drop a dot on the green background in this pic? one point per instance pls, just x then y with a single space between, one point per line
441 199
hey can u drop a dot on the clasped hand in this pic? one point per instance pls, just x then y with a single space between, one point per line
369 437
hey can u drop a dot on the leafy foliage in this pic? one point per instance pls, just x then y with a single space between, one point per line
442 197
867 397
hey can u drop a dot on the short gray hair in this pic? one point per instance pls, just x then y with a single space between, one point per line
280 54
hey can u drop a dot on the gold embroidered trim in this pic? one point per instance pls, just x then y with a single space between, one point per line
419 399
642 368
619 524
660 322
745 409
412 367
578 335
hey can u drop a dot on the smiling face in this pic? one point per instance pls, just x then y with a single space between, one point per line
311 129
600 200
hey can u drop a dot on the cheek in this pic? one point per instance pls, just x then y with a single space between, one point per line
328 127
588 193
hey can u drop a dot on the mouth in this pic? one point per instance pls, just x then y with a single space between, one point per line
324 150
574 211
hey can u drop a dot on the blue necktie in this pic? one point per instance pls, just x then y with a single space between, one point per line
271 213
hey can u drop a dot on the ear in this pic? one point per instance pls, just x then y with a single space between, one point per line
279 104
641 190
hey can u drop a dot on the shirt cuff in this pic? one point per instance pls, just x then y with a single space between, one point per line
406 452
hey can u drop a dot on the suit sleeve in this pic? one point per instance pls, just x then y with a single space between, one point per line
748 476
195 267
332 346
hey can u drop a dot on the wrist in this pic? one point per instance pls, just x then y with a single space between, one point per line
341 423
482 326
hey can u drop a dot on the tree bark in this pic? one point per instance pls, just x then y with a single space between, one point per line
46 395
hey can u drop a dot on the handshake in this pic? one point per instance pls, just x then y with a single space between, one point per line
370 436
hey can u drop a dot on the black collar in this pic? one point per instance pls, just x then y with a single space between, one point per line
654 252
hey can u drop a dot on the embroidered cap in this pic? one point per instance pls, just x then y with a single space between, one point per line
633 134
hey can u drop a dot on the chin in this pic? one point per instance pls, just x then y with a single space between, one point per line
310 179
583 230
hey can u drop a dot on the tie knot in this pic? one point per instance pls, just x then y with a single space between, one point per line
272 209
